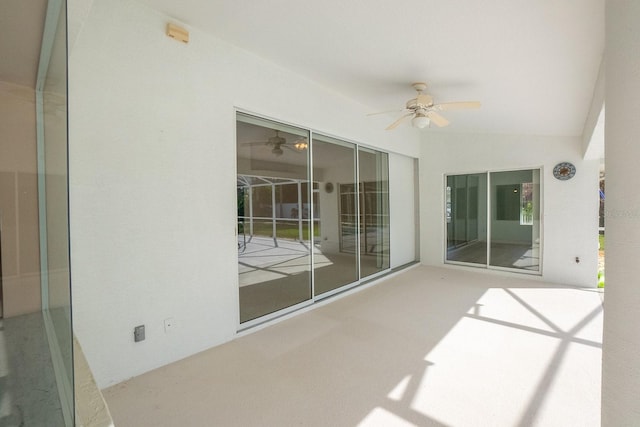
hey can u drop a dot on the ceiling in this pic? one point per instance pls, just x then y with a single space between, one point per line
21 25
532 64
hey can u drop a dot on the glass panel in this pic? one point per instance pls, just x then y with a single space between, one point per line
36 358
57 215
56 203
348 218
287 201
374 211
262 201
260 227
335 261
295 230
515 219
51 93
273 210
466 217
348 210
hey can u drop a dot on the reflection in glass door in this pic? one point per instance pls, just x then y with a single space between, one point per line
373 178
466 218
313 216
274 216
53 195
515 219
335 259
512 217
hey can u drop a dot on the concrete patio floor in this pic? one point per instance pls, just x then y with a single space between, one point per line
427 347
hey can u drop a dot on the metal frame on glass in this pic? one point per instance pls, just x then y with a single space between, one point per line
313 135
289 268
59 345
489 223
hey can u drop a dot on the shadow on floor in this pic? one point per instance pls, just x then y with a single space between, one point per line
428 347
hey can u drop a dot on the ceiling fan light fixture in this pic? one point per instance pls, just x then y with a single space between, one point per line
423 111
277 151
420 121
301 144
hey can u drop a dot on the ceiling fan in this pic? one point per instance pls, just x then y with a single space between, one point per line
277 143
424 111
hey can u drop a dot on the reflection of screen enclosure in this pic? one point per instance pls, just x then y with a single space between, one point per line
341 220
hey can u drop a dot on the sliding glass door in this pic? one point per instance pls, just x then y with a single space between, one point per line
466 217
335 256
313 216
493 219
373 168
53 204
515 220
274 211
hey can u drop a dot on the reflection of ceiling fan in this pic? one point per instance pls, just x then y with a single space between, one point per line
424 111
277 143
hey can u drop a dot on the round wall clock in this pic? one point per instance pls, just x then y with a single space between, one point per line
328 187
564 171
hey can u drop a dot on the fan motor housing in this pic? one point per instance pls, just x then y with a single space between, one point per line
412 104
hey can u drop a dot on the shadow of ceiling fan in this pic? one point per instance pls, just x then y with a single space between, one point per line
423 111
279 144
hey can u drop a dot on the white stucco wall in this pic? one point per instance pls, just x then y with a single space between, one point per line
402 210
570 208
621 333
152 179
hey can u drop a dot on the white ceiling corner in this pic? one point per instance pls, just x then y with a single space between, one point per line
533 65
21 26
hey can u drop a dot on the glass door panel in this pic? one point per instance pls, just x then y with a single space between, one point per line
335 258
274 241
515 219
373 168
53 193
348 217
342 216
466 218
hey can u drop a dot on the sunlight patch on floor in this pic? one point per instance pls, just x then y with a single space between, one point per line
398 392
381 417
534 327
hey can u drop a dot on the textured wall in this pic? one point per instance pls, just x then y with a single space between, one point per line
621 346
570 208
152 179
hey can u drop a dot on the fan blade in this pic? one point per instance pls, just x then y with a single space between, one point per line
397 122
437 119
386 112
451 106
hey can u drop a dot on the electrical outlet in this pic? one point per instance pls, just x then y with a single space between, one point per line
169 325
138 333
